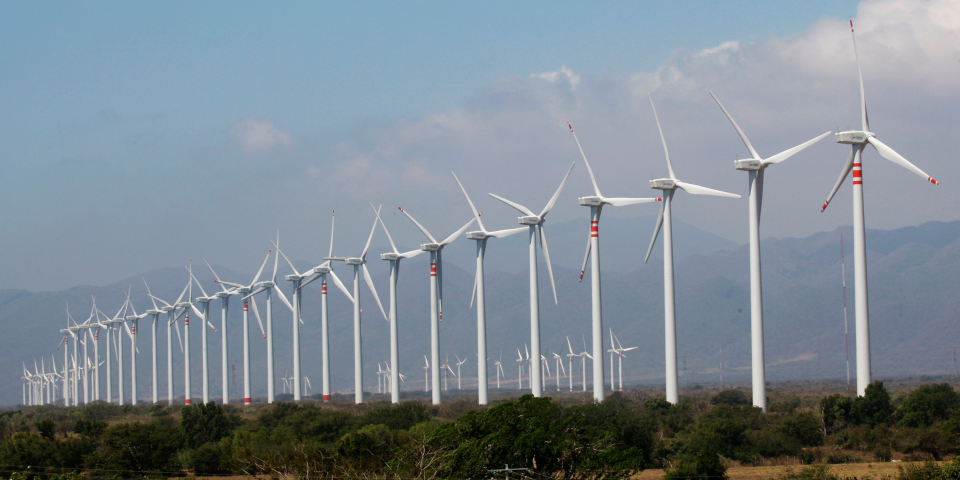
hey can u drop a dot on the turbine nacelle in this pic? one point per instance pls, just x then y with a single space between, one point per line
355 261
267 284
663 184
591 201
154 312
167 309
477 235
244 290
205 299
321 270
130 318
748 164
430 247
389 256
218 294
530 220
854 137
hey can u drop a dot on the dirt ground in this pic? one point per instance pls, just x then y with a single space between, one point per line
876 471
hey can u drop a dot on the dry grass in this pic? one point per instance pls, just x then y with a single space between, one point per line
877 471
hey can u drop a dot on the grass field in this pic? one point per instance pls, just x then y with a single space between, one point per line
876 471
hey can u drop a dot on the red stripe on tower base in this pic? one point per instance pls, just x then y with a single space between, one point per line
326 398
857 182
246 401
187 401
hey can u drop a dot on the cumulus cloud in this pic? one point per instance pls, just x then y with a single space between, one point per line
563 74
255 135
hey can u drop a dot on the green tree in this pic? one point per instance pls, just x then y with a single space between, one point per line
704 465
47 428
371 447
874 407
730 397
139 448
927 405
203 423
835 410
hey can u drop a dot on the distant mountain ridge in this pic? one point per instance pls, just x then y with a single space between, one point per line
914 275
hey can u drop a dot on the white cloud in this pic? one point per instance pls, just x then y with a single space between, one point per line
564 73
255 135
725 47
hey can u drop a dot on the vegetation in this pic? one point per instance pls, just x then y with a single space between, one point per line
697 439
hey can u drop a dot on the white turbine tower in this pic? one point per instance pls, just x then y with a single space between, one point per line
270 287
756 166
394 258
320 272
459 362
596 203
620 355
481 236
205 318
238 289
171 311
436 295
669 186
426 374
296 280
559 368
155 312
535 224
360 263
858 140
224 296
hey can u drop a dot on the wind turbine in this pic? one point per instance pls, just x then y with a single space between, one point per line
237 288
205 315
131 332
360 263
459 362
320 272
570 357
224 296
446 366
426 374
270 286
858 140
535 223
520 366
394 258
596 203
620 356
498 365
756 167
296 280
436 294
170 309
669 186
481 236
559 368
155 312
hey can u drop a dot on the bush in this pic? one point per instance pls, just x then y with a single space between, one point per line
874 407
813 472
805 427
203 423
207 459
730 397
702 466
130 447
927 405
839 456
835 410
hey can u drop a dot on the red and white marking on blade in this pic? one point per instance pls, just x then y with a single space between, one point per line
933 180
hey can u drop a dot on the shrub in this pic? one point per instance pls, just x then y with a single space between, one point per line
813 472
203 423
927 405
730 397
839 456
874 407
702 466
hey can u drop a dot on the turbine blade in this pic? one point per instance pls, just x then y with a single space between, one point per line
847 166
309 280
176 326
759 193
507 232
198 286
476 215
656 229
666 153
889 154
333 220
546 258
262 265
421 227
289 263
586 256
217 278
256 313
251 294
556 195
339 284
283 298
195 310
370 237
276 259
515 205
620 202
473 294
152 299
392 245
373 289
593 180
793 151
743 136
411 253
863 101
568 345
456 234
698 190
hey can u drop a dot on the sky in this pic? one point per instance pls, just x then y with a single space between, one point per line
137 135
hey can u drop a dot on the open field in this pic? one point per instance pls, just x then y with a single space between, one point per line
876 470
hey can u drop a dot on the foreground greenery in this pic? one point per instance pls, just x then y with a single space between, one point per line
613 439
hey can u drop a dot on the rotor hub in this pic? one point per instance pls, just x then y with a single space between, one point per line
854 137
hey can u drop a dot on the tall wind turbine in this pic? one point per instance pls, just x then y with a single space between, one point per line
360 263
535 223
205 318
320 272
669 186
481 236
858 140
155 312
596 203
756 167
270 287
296 280
171 311
240 289
459 362
436 295
394 258
224 296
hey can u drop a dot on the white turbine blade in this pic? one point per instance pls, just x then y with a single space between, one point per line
421 227
283 298
525 349
230 284
369 238
507 232
847 166
556 195
276 259
666 152
392 245
617 339
889 154
628 349
612 344
698 190
256 313
309 280
215 277
863 101
547 365
411 253
562 369
593 180
476 214
154 301
588 355
426 361
793 151
546 258
620 202
287 260
656 231
453 236
251 294
211 326
743 136
197 311
474 293
760 193
339 284
586 256
198 285
515 205
333 220
519 356
259 272
184 292
373 289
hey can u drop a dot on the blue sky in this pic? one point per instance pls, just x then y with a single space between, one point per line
135 134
